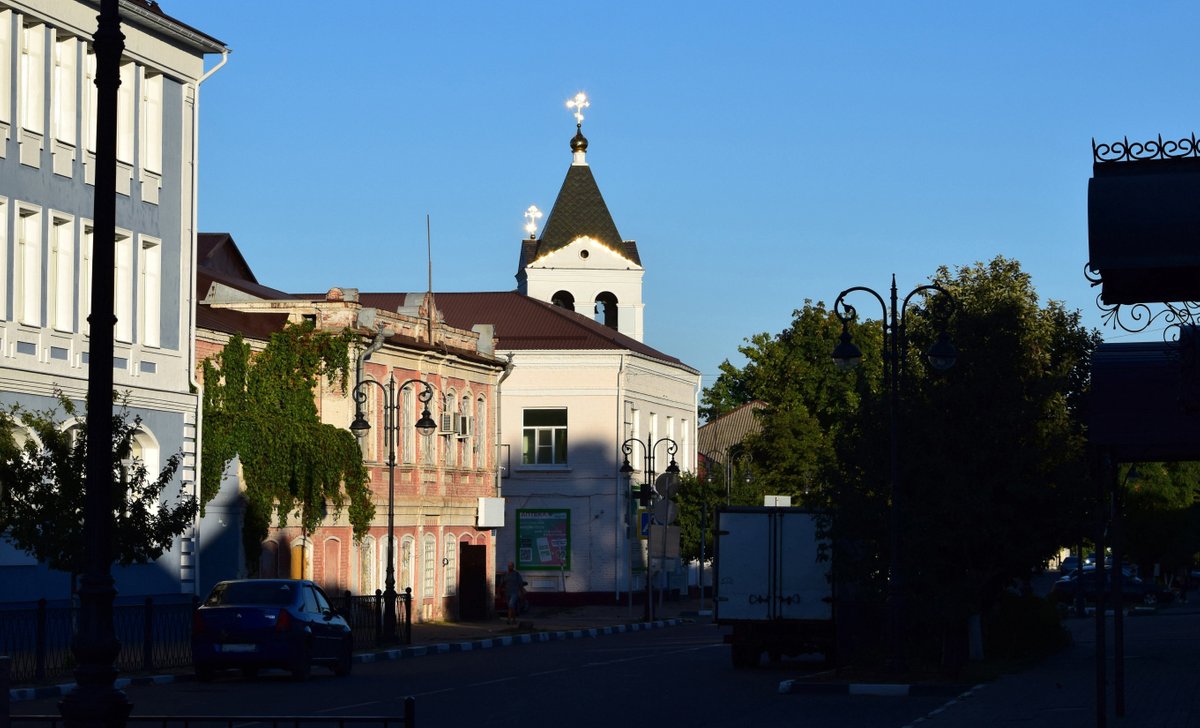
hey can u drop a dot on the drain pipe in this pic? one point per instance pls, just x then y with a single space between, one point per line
193 380
508 367
618 506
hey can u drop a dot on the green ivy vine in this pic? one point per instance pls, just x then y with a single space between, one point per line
262 409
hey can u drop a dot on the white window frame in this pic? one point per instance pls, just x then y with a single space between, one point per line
32 101
152 122
449 564
540 433
123 286
408 428
149 291
428 565
89 99
27 266
368 566
87 244
60 290
62 95
125 112
480 432
406 563
3 254
6 74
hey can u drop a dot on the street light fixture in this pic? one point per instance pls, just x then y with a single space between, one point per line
846 355
360 427
646 492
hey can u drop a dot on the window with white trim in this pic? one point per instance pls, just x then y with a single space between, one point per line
480 437
33 79
544 436
62 93
429 565
86 242
5 71
407 544
152 122
149 292
3 249
28 265
367 566
125 113
449 566
89 99
408 428
450 443
123 287
60 294
468 452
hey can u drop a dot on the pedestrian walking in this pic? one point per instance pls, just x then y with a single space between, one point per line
513 584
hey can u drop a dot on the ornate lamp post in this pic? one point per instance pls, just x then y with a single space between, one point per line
846 355
360 427
95 700
646 492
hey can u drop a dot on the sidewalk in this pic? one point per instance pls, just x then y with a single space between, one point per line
1162 682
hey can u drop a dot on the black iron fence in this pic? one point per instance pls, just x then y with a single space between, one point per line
153 635
156 635
365 613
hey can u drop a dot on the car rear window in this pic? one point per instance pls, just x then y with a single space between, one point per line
249 592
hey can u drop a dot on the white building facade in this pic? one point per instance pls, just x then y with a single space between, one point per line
47 176
582 384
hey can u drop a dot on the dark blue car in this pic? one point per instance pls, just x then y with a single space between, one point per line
269 623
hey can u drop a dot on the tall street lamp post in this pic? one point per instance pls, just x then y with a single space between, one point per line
95 700
846 355
360 427
646 492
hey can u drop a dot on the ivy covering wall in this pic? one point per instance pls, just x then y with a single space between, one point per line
262 409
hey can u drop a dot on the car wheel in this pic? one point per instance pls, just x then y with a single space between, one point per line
303 665
345 662
205 673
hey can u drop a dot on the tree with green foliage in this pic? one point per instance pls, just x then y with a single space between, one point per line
1162 516
992 458
44 490
262 410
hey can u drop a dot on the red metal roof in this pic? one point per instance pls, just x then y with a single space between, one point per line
524 323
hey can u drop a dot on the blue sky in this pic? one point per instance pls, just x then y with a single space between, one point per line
761 153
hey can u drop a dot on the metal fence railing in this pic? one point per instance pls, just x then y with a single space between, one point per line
365 613
156 635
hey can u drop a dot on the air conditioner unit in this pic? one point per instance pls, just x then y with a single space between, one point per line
447 427
466 426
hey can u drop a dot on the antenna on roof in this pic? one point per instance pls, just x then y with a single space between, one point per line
429 280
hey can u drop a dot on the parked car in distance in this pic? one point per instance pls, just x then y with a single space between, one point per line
1133 589
1068 564
269 623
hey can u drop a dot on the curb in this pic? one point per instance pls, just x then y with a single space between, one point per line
45 692
901 690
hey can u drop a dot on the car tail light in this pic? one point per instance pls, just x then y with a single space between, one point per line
197 623
284 621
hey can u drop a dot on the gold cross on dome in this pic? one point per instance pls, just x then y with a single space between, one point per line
579 103
532 215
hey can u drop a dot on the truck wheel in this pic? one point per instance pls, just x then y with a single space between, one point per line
744 656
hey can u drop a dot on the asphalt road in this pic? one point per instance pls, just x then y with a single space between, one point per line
678 676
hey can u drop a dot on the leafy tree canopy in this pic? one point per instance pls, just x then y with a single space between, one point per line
261 409
44 490
991 453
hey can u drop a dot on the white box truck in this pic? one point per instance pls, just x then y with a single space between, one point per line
773 583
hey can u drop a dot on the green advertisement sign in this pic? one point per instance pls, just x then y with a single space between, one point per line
543 539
